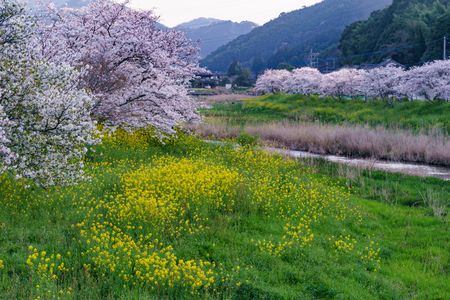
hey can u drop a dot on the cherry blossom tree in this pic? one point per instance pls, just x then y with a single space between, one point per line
383 82
45 122
272 81
305 81
428 82
6 156
15 25
344 82
138 73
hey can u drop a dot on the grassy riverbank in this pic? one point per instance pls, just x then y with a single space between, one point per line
416 132
416 116
193 220
350 141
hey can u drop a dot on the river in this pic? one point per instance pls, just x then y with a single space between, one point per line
393 167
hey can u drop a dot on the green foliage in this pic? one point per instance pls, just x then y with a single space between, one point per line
234 69
290 37
389 188
409 31
241 76
417 116
245 139
244 78
285 66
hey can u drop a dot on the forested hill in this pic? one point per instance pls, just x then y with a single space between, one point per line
290 37
409 31
212 33
198 23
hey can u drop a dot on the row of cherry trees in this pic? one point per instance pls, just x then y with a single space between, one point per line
65 70
428 82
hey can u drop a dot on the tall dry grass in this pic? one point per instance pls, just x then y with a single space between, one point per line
351 141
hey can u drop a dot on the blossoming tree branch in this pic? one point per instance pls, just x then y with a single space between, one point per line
65 70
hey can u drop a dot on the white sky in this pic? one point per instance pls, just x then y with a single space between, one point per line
174 12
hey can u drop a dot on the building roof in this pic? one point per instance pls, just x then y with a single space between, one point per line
384 63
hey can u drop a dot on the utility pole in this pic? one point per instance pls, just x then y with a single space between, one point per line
445 47
314 59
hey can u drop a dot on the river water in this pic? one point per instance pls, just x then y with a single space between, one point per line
393 167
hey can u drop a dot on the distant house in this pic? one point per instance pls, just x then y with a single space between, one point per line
206 79
387 62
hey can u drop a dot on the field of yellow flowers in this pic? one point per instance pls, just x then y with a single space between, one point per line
188 219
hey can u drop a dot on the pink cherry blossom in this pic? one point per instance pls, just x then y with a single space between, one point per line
272 81
428 82
344 82
137 72
383 82
304 81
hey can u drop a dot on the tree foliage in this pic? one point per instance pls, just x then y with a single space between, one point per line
409 31
240 76
45 122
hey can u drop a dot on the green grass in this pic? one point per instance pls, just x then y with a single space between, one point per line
205 92
389 188
409 115
414 243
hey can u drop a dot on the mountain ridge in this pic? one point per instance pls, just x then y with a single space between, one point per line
198 23
216 34
290 37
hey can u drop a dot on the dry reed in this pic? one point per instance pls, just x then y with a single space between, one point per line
351 141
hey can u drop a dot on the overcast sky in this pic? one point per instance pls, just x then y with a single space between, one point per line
174 12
